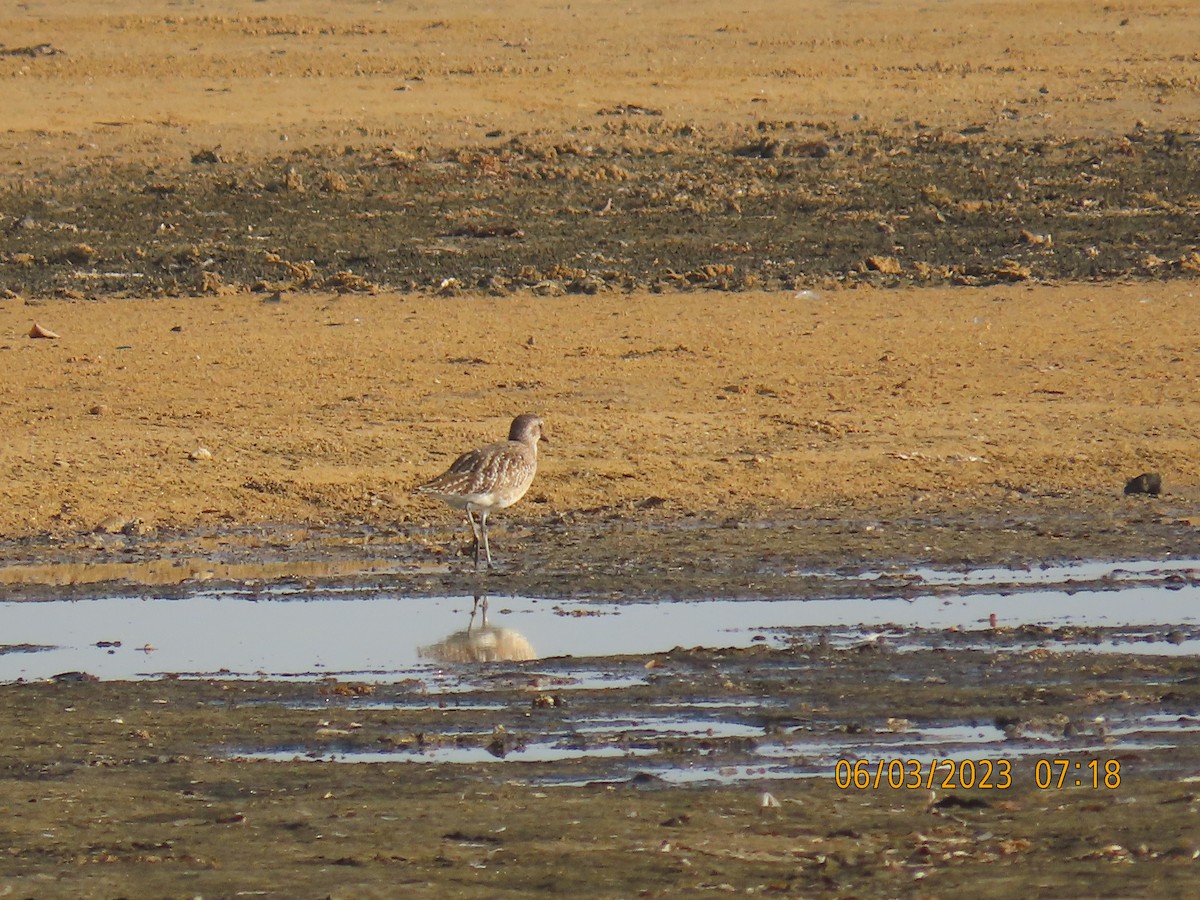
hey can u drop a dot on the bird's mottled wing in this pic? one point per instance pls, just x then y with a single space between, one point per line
510 470
482 471
460 478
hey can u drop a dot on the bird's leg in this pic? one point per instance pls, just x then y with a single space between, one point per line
486 549
474 536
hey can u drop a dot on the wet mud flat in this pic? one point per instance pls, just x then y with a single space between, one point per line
924 750
642 550
170 785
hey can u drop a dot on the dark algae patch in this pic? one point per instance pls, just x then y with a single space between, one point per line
616 208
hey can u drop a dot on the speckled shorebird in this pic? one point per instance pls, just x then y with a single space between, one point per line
491 477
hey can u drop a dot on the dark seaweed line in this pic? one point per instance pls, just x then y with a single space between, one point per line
572 218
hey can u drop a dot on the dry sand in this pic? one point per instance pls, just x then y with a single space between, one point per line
160 79
327 410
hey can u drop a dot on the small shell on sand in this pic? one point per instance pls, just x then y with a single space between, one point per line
37 331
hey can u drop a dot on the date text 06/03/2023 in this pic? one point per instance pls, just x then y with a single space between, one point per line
966 774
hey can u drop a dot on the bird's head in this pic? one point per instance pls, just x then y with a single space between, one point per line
528 429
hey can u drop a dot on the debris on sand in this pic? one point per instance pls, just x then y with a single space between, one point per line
1146 483
37 331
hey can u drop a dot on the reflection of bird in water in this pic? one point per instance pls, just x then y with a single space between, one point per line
485 643
491 477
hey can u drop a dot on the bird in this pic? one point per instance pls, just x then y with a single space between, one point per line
491 477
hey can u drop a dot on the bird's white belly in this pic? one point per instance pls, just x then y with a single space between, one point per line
480 502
